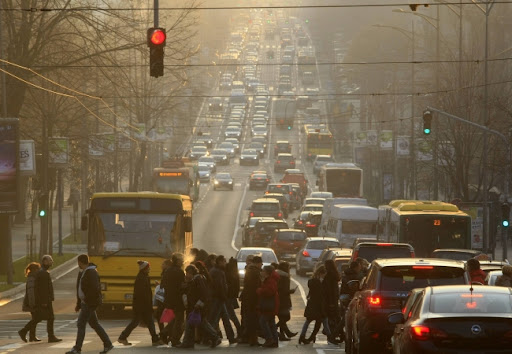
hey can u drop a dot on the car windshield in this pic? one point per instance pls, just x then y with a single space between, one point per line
406 278
203 168
265 206
322 244
259 176
278 188
291 236
285 157
206 159
471 303
223 176
250 152
266 256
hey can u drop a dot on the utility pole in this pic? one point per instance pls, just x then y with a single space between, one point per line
412 185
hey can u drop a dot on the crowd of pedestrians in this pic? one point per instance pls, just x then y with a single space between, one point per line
191 301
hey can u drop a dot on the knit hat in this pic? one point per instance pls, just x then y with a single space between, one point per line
507 270
142 264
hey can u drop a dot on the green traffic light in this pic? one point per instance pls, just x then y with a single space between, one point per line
307 21
42 213
289 127
426 131
505 223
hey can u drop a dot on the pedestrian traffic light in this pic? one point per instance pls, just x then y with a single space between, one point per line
289 127
505 214
42 202
156 43
427 122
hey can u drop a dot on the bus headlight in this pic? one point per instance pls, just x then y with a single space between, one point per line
230 182
216 182
103 286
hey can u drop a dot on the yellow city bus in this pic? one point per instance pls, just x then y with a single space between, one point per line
426 225
319 141
126 227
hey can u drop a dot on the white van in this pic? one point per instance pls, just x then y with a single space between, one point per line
346 222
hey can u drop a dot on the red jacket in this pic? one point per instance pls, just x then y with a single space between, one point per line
477 275
269 289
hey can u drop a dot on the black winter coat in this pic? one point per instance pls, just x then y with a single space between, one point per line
197 294
233 280
219 284
172 282
283 288
252 281
331 292
142 295
90 286
43 287
315 309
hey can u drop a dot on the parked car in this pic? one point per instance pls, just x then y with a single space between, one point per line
307 257
385 290
287 242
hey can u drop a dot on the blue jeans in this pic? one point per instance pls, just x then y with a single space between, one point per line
218 311
148 319
268 326
88 315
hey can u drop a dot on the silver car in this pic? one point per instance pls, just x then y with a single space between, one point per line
267 254
308 255
207 161
205 173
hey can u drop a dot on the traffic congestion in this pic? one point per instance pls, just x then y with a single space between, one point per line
260 221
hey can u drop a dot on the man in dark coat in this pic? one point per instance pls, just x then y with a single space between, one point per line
172 282
219 295
88 291
45 297
252 281
142 306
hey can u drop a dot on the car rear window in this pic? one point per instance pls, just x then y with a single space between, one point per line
405 278
471 303
373 252
457 256
291 236
265 207
322 244
285 158
278 188
267 257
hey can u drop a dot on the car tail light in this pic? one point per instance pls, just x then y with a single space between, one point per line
300 222
412 254
278 161
267 179
374 301
310 225
305 253
422 267
292 162
290 193
420 332
251 214
383 244
279 215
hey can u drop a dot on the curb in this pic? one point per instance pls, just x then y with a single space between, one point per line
19 291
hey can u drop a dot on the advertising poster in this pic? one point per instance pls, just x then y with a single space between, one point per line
58 150
402 146
9 165
27 158
386 139
477 225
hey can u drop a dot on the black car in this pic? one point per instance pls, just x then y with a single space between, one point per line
263 231
376 249
249 157
455 319
258 180
312 223
385 291
282 146
455 254
249 226
223 180
282 201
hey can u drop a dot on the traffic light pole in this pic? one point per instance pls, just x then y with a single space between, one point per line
507 167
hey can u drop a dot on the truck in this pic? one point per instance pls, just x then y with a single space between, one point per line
284 111
177 176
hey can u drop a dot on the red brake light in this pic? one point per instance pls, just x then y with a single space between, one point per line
267 179
305 253
383 244
292 162
278 161
290 193
310 225
422 267
251 214
412 254
374 301
420 332
299 222
279 215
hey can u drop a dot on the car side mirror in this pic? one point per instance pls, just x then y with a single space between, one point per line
396 318
84 223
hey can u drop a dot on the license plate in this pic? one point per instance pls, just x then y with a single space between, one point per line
128 296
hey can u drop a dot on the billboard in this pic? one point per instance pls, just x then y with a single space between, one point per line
58 151
9 164
27 158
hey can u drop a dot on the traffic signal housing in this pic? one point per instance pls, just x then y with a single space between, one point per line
427 122
156 39
42 204
505 214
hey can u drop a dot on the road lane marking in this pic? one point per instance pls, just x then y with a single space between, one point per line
301 289
235 233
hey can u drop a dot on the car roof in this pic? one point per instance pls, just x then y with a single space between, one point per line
460 289
380 243
322 239
284 154
282 142
265 200
271 221
457 250
256 249
437 262
293 171
291 230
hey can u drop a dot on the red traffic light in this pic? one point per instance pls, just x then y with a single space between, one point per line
156 37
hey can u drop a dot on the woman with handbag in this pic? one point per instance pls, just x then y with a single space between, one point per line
29 303
196 303
268 306
285 301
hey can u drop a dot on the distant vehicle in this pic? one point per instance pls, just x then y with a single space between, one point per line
260 130
207 161
282 146
282 200
287 242
374 250
249 157
266 207
229 147
284 161
220 156
321 160
235 143
312 223
233 132
368 329
258 147
296 176
430 225
343 180
283 188
284 110
260 139
263 230
215 105
314 201
341 256
248 227
347 222
313 207
204 173
476 318
308 78
258 180
223 180
299 223
267 254
306 257
324 195
455 254
197 151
